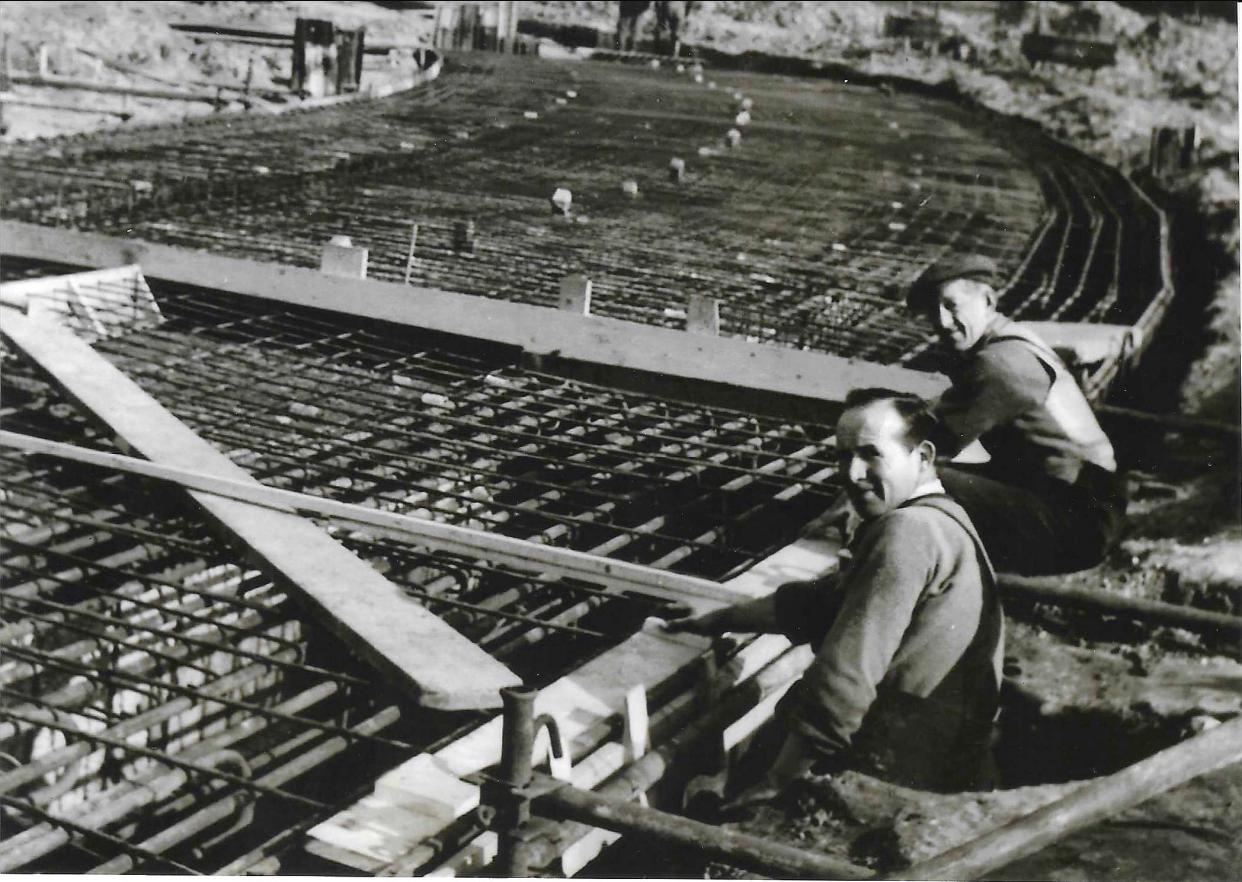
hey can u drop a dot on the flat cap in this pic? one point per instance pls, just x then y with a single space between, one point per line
956 266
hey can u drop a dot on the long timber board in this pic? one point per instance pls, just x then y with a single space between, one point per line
418 651
379 831
539 330
700 595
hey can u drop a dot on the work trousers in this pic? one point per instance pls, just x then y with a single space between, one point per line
1041 527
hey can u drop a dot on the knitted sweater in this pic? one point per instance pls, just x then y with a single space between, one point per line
910 639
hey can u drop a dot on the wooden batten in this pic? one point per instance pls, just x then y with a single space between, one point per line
594 339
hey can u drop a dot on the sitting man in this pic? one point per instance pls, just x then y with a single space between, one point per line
1050 499
905 684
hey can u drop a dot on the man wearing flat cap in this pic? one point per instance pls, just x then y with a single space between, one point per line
1050 499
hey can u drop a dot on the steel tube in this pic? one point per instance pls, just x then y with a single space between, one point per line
513 810
737 849
547 841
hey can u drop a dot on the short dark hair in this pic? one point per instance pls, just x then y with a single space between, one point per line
911 408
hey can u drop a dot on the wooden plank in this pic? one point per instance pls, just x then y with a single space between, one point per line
539 330
578 701
592 694
17 293
1093 802
98 302
698 594
407 643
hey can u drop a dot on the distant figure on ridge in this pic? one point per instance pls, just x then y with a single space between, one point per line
671 15
627 23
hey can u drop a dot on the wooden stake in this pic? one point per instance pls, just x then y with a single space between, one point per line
575 294
409 258
1095 801
703 315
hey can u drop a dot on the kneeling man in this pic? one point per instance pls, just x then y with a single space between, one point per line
909 636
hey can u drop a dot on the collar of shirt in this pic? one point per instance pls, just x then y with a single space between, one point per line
927 488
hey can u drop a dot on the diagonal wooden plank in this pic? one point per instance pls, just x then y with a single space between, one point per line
421 653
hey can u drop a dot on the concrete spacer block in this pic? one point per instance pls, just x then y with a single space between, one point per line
341 258
562 201
676 169
630 188
733 137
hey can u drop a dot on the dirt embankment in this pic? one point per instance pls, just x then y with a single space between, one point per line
132 44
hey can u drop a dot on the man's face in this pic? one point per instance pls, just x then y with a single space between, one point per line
880 471
962 312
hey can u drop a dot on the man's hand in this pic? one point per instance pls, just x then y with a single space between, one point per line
710 624
751 797
795 758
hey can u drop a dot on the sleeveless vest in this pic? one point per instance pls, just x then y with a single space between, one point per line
1063 430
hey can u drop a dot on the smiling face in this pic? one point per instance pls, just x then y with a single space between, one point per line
962 311
878 466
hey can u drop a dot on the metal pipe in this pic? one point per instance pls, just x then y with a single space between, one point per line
1170 422
512 809
547 841
738 849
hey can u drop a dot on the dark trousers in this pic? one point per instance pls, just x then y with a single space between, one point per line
1045 527
627 33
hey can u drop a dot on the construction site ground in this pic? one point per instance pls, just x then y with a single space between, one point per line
1082 699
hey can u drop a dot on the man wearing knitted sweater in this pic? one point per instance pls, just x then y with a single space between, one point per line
1049 500
909 636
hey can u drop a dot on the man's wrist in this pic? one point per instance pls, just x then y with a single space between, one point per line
796 756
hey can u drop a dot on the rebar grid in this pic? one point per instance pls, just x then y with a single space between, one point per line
145 667
121 670
837 198
132 657
364 415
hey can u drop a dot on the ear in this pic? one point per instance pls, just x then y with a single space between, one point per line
927 453
989 294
